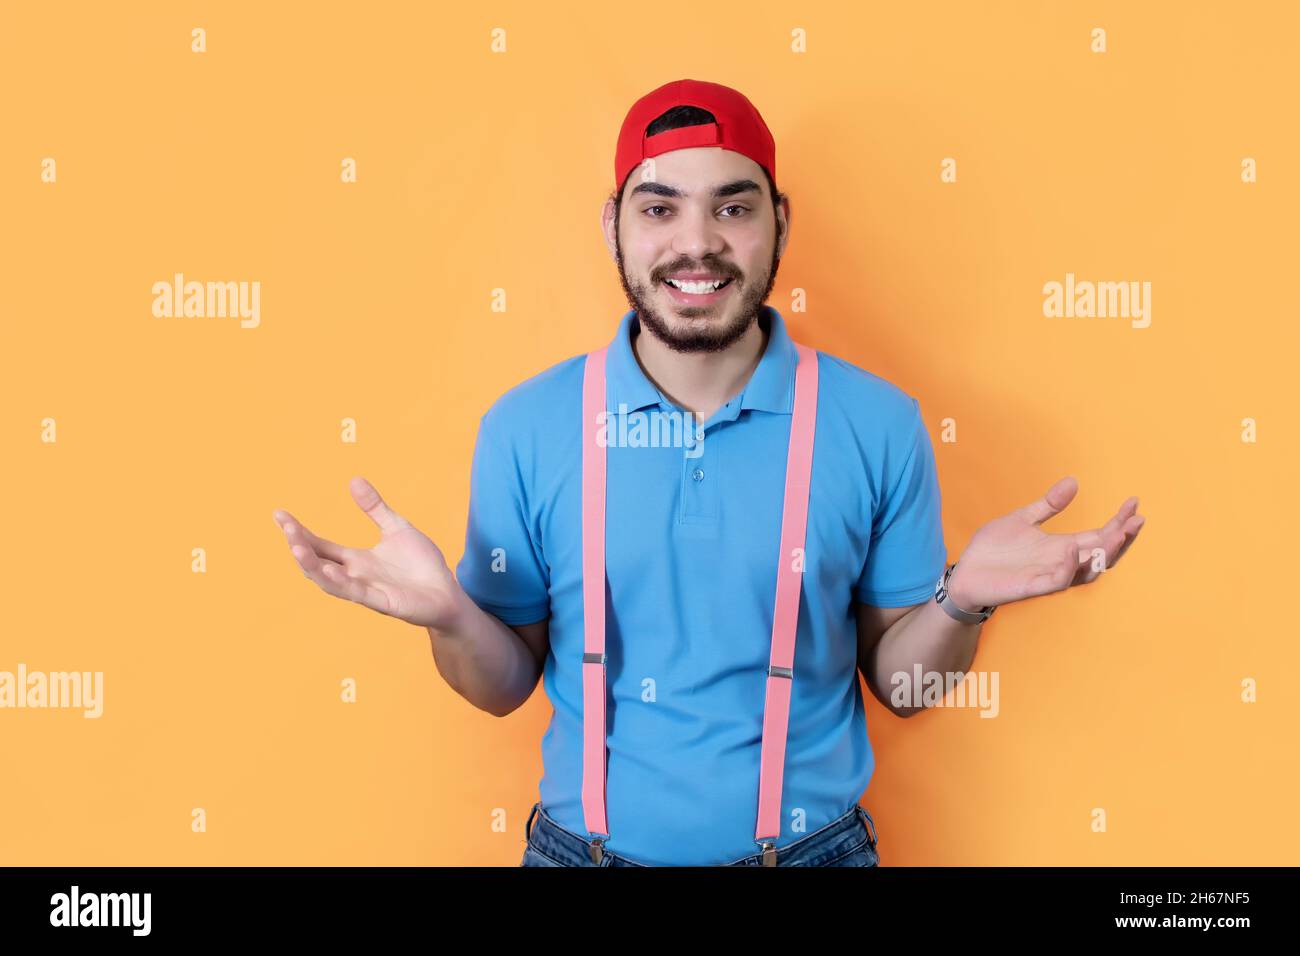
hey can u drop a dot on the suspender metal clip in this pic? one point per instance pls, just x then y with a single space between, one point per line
769 853
597 851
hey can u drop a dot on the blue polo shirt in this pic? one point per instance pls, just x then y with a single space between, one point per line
693 535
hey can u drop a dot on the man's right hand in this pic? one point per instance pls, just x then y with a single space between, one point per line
404 575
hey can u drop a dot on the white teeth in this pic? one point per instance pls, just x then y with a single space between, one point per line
697 288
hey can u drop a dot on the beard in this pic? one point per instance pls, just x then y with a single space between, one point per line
681 334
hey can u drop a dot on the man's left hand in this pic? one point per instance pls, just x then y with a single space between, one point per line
1011 558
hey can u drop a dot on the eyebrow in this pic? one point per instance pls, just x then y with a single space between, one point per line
733 188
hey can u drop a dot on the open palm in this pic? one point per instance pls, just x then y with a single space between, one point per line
1011 558
404 575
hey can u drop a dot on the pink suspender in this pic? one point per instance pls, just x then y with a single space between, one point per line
785 618
593 599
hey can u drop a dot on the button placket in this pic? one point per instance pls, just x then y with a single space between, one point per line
700 483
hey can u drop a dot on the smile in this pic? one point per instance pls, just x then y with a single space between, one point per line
697 291
697 287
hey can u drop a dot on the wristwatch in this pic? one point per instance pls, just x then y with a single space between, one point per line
941 598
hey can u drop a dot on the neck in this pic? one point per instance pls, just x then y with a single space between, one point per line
701 382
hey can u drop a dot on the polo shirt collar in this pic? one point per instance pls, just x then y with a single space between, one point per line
770 388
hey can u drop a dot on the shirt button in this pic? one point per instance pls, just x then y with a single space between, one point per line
698 474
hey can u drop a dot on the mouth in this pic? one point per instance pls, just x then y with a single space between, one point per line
697 291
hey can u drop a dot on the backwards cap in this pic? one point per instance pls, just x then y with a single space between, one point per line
738 126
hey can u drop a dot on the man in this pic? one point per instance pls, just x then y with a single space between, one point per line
706 692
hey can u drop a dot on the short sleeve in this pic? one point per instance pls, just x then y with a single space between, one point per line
503 569
907 551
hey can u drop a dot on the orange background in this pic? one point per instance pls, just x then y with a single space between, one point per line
480 171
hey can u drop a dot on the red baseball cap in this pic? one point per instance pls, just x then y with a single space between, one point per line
739 126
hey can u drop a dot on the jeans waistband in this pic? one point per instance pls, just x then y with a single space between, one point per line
842 835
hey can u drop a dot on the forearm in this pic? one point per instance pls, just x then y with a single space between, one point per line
925 636
483 659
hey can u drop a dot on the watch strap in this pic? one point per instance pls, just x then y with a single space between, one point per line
944 601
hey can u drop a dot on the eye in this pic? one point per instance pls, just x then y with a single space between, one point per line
648 208
743 209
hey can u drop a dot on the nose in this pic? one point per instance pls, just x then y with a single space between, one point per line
697 235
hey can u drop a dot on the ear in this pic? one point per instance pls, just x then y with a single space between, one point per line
607 228
783 220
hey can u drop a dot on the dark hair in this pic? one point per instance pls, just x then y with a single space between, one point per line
676 118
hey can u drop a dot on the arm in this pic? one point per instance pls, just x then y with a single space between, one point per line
907 548
492 665
492 647
1009 559
895 640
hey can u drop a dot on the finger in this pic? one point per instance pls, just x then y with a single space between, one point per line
343 585
1097 539
1083 573
1131 529
1113 542
368 499
1053 502
297 533
1110 531
1126 511
1114 532
312 566
1087 540
349 587
327 575
1083 546
1088 569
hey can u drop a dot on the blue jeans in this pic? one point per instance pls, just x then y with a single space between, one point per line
849 840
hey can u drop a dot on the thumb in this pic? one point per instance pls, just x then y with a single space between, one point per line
368 499
1053 502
